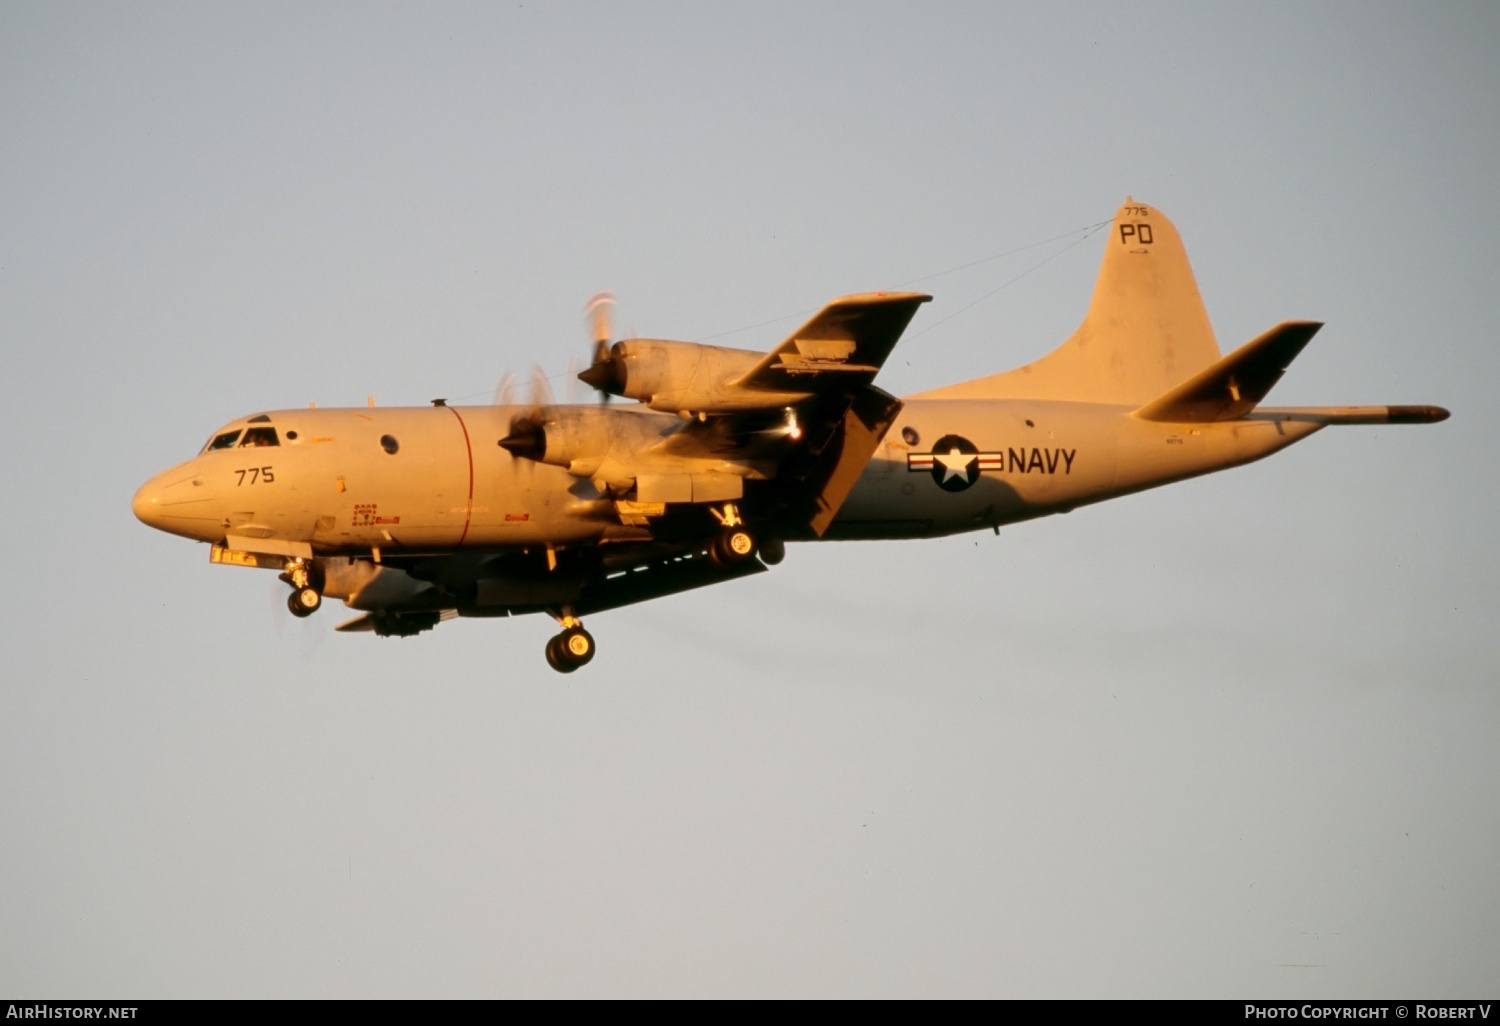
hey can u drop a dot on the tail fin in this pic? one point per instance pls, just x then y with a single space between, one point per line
1146 329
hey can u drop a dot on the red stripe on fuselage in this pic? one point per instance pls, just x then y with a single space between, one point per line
469 451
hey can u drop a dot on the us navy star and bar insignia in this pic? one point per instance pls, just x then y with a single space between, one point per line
955 463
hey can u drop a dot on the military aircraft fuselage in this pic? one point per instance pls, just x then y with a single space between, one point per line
351 480
430 479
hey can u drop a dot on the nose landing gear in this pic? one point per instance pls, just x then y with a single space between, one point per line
573 648
304 601
306 580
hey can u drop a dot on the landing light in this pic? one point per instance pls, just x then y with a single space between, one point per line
793 429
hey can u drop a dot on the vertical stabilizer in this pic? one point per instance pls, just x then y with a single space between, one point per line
1146 329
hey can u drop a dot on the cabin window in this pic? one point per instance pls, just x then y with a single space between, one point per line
223 441
260 436
389 444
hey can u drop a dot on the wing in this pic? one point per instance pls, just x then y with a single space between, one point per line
811 453
804 460
842 347
796 428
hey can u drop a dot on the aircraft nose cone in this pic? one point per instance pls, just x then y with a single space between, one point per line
146 505
180 501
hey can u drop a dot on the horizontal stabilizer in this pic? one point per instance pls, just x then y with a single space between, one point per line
1231 388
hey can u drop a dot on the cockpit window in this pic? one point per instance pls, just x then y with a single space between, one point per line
223 441
260 436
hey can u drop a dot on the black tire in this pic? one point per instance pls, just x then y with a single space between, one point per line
715 551
296 604
555 657
772 551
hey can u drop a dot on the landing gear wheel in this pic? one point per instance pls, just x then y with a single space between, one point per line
576 645
732 546
772 551
571 649
304 601
554 660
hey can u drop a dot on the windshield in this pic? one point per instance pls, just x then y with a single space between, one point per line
223 441
260 436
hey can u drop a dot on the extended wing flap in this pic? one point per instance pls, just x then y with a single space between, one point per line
1233 386
846 343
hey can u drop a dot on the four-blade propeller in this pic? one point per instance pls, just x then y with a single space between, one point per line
527 436
605 374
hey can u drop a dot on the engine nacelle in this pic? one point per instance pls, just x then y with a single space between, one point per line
560 435
684 376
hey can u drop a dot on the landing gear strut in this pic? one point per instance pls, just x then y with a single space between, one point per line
306 581
734 544
573 648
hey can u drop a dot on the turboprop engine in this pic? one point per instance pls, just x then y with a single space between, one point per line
678 377
594 442
845 342
559 435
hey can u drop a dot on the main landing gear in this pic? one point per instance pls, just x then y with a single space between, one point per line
306 582
734 544
571 649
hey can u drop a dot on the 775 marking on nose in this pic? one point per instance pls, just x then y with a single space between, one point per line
262 474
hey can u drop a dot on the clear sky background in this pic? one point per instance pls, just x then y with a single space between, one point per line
1232 737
